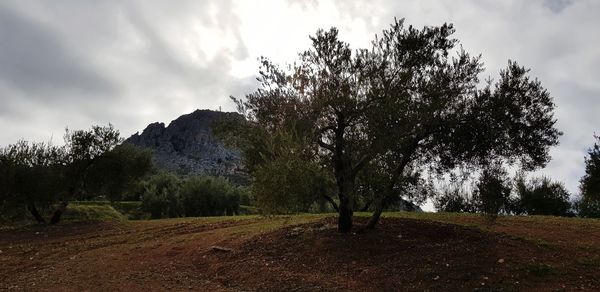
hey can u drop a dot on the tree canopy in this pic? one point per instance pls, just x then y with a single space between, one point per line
91 163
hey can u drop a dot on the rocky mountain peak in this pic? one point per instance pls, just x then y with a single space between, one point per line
188 146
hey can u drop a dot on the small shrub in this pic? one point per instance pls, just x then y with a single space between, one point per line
492 192
541 197
454 200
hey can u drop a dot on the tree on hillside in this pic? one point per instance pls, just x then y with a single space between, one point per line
455 200
405 107
589 185
492 191
541 196
87 165
115 172
32 175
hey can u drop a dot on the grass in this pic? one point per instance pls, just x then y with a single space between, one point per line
78 212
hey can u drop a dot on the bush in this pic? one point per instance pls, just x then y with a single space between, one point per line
209 196
492 192
160 197
541 197
589 205
588 208
454 200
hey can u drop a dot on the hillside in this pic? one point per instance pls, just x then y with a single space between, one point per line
188 146
408 252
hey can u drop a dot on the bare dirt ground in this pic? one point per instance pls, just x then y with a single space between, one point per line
305 253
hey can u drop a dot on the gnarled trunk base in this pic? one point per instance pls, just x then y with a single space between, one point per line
345 216
58 213
35 213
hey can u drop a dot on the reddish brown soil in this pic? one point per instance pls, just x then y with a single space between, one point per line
400 255
405 254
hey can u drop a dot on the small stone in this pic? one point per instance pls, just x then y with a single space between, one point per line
220 248
501 261
436 278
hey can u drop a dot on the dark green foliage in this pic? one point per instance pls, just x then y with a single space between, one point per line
454 200
541 197
166 196
114 173
34 175
589 205
161 197
290 181
492 191
84 149
210 196
588 208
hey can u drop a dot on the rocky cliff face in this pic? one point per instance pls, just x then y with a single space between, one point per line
187 145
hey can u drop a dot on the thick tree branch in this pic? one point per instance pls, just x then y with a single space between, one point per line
325 145
361 164
332 202
392 182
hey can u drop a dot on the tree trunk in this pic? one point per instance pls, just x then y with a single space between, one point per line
58 213
35 213
375 216
345 214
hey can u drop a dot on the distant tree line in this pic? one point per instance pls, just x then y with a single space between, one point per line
166 195
494 193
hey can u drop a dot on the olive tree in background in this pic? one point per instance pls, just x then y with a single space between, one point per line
88 165
589 205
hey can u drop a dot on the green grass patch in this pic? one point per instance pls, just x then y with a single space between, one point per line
248 210
85 212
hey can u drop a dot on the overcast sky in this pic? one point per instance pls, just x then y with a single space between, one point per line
78 63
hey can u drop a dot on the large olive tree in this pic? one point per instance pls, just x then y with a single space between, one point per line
411 104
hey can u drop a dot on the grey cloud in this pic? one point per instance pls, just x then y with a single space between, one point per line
33 60
92 62
557 5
